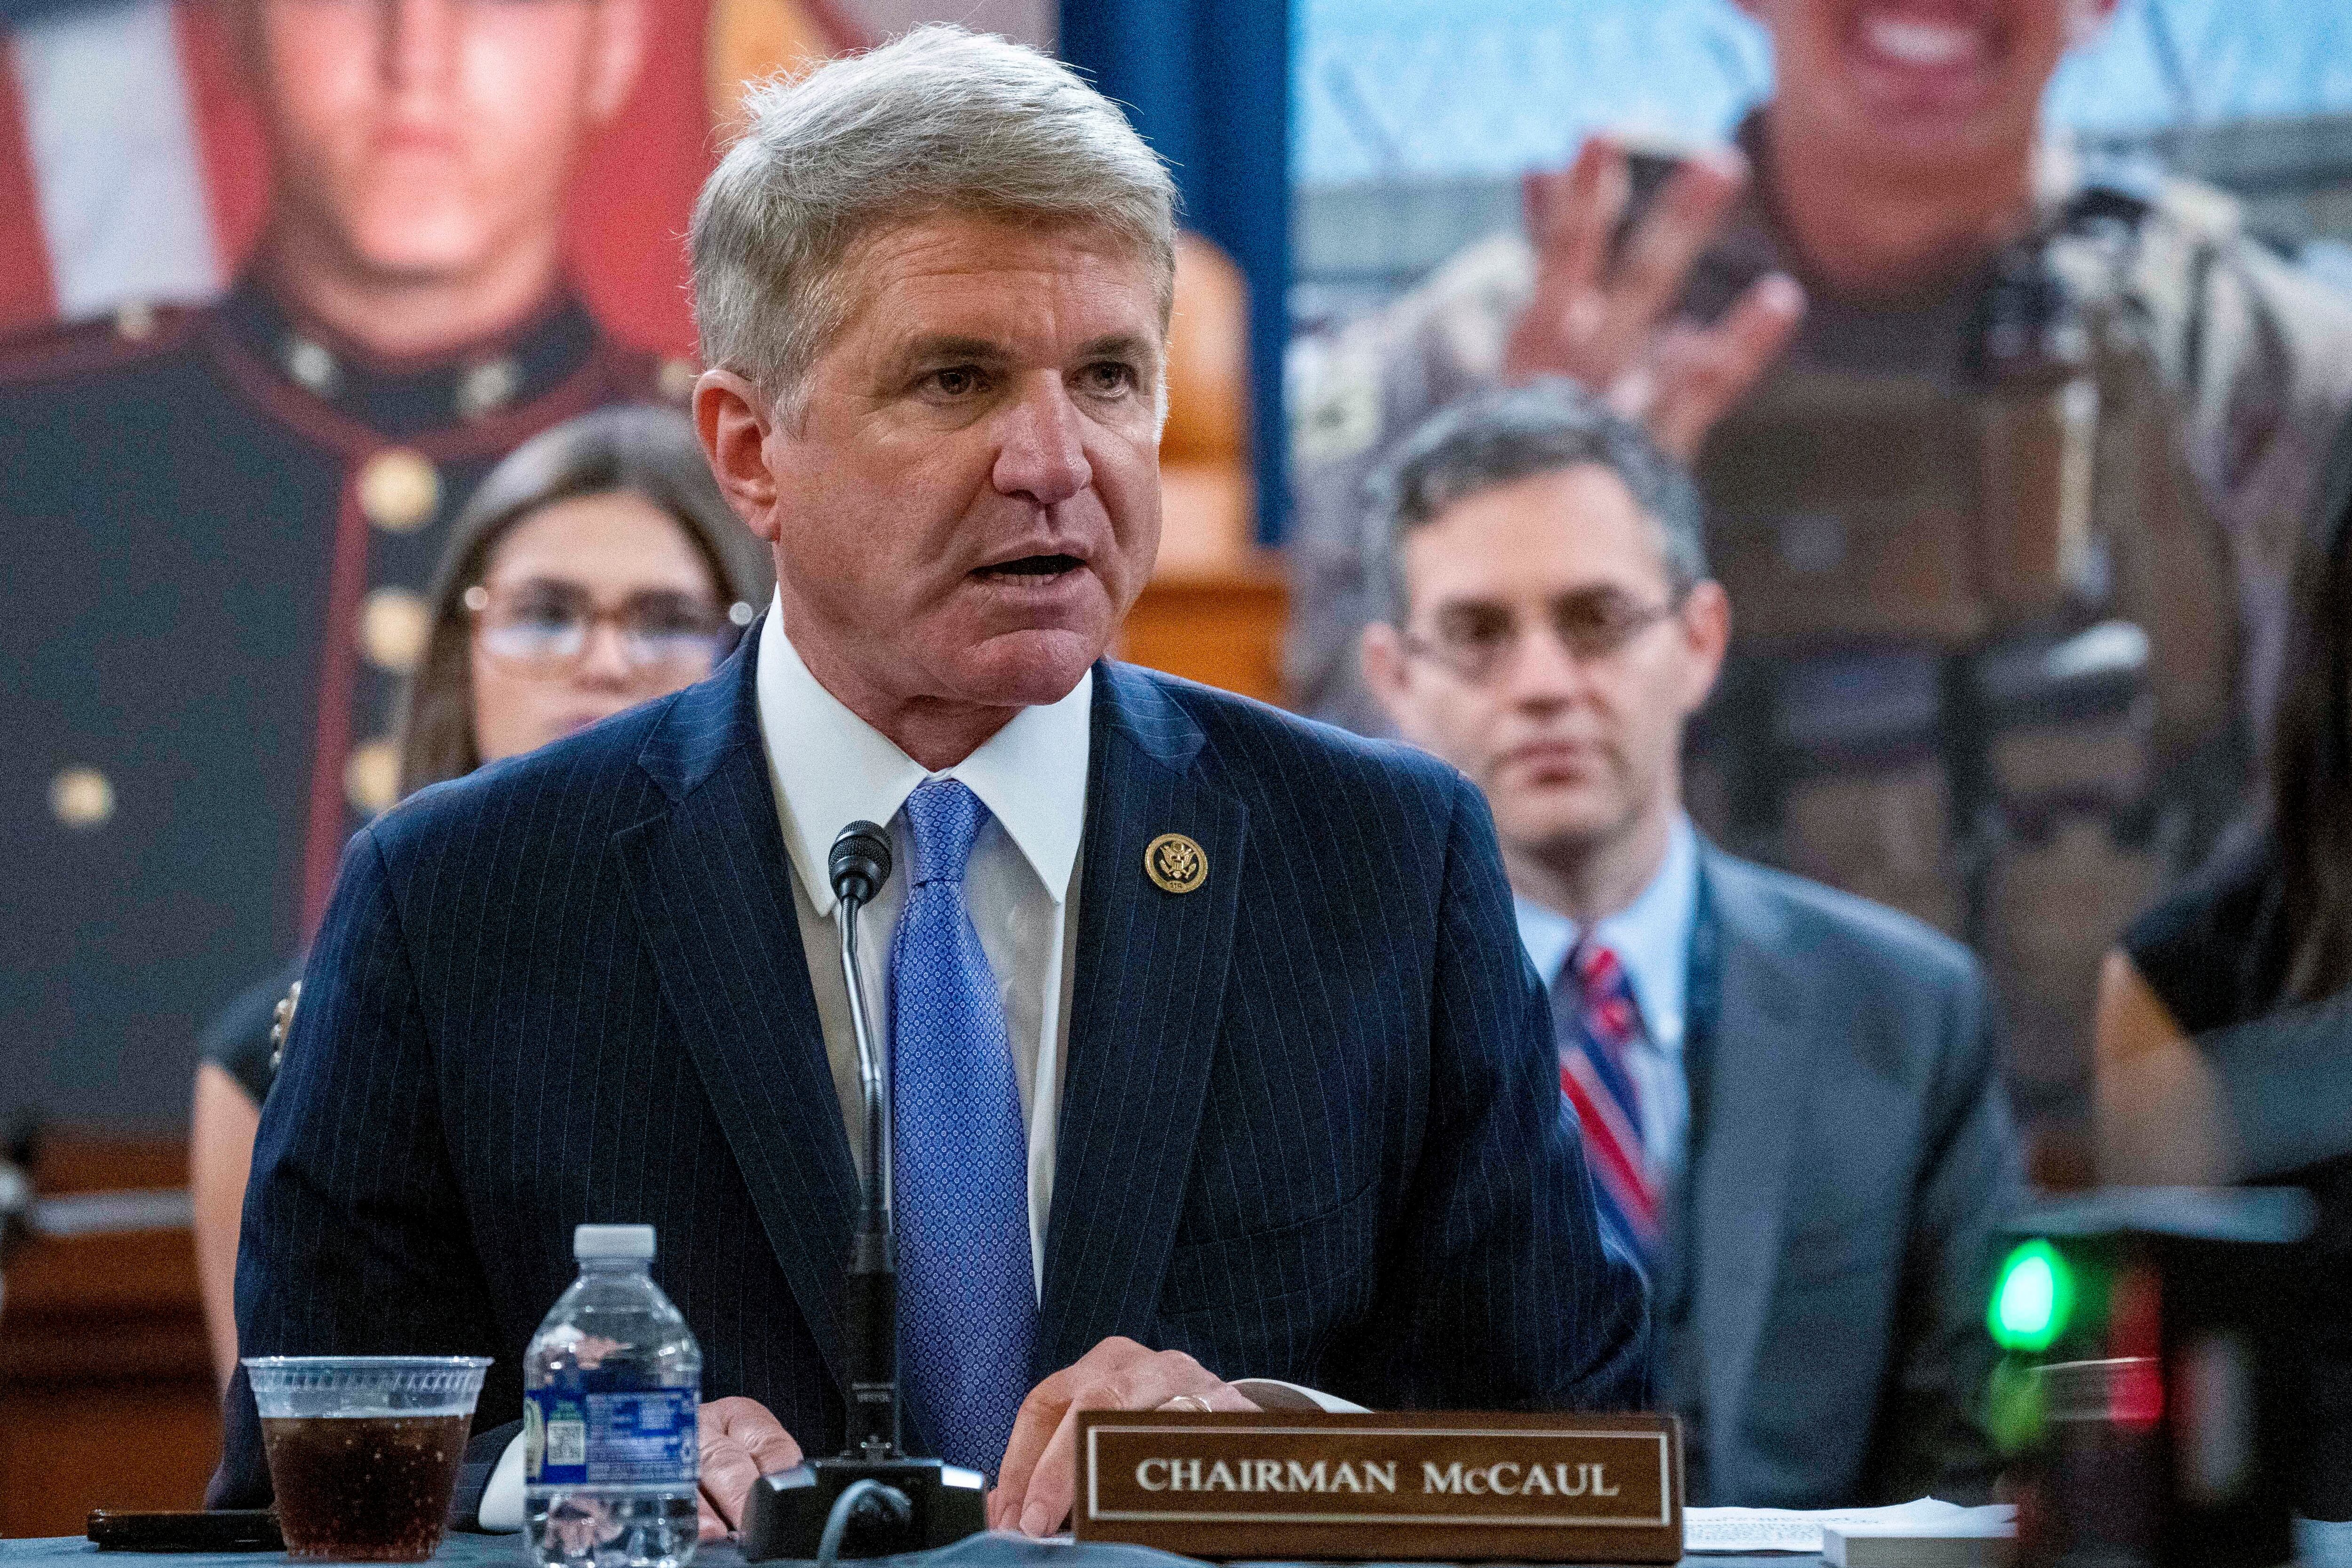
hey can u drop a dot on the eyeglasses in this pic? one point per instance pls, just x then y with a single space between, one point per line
544 624
1476 642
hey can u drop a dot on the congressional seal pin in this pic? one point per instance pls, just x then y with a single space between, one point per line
1175 863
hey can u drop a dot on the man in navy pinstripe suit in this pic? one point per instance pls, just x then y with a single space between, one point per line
1219 1079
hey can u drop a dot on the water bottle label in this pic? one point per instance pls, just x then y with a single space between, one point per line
639 1437
554 1437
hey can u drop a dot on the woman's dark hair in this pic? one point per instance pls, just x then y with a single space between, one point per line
2311 760
646 451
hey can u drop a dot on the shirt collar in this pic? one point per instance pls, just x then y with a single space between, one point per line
830 768
1651 936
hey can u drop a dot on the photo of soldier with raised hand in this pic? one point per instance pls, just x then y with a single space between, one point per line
2002 452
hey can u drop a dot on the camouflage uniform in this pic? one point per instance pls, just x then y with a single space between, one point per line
2018 721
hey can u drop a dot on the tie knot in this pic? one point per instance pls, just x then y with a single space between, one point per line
943 817
1606 993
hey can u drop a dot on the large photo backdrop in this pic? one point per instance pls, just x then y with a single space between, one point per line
280 281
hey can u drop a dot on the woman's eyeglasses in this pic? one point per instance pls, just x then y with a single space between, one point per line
545 625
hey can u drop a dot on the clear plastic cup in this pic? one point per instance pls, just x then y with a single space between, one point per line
365 1450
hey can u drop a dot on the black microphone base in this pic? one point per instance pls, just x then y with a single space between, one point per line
786 1514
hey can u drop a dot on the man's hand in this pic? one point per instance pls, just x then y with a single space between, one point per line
1606 320
1039 1479
741 1443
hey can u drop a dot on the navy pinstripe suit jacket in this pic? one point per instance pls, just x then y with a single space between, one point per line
1310 1126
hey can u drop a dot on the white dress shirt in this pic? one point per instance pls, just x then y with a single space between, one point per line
1652 938
831 768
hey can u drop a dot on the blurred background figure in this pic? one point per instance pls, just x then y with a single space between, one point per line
219 520
1790 1098
2224 1046
2001 454
596 568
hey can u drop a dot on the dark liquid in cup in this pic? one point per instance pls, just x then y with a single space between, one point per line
363 1489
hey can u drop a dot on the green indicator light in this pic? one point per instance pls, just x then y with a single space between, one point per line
2030 1304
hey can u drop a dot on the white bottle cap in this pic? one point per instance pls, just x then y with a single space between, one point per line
612 1241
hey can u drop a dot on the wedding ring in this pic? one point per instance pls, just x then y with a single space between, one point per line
1191 1402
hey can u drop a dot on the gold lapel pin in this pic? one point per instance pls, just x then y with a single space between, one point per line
1175 863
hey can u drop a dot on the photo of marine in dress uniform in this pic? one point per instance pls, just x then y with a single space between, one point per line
219 521
2006 528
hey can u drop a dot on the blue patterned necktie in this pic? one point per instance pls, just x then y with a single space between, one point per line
967 1291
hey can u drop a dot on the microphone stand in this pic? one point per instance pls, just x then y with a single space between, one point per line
872 1499
874 1254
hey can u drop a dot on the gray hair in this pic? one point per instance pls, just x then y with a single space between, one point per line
1499 439
941 121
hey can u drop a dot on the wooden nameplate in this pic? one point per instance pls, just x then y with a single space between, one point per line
1411 1486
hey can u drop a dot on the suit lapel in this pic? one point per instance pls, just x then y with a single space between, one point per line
1146 1005
1756 1068
711 885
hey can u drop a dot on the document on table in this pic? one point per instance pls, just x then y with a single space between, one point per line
1800 1530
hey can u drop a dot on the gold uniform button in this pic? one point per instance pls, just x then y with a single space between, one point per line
393 627
81 798
371 776
1175 863
676 379
398 491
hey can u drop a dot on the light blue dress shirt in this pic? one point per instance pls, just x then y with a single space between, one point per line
1652 938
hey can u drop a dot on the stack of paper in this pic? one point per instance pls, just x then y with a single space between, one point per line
1750 1530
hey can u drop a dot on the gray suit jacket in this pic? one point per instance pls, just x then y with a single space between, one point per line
1822 1299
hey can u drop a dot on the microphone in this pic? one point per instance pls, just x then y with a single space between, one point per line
859 864
871 1499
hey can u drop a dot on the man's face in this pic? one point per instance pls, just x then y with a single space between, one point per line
1925 80
1573 749
426 137
967 496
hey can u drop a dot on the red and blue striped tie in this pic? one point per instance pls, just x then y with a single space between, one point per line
1599 1027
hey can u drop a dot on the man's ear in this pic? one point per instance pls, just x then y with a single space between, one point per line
1380 654
620 51
1706 621
731 418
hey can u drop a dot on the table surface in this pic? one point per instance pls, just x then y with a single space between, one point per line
507 1551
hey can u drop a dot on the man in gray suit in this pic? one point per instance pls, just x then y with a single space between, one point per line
1789 1096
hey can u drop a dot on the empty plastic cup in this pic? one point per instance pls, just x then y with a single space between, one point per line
365 1450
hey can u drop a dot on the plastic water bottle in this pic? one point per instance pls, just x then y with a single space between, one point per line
610 1385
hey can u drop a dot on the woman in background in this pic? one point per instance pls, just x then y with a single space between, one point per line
2210 1012
596 568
